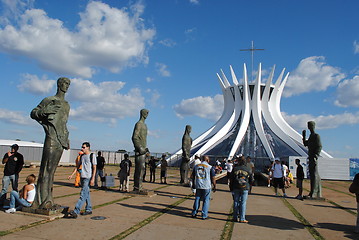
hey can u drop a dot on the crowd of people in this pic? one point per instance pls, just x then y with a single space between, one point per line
240 175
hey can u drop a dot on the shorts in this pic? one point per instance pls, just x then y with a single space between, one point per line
278 182
299 183
163 173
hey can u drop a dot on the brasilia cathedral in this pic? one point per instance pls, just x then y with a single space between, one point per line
251 123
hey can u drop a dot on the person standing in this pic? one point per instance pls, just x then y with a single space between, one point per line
300 177
278 176
100 169
354 188
203 177
250 166
240 179
164 166
124 173
88 162
229 167
14 161
153 166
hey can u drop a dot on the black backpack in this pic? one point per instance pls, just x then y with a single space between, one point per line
241 178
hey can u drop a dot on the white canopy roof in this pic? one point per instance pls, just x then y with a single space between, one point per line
4 142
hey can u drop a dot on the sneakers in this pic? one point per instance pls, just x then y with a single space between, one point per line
86 213
243 221
11 210
71 214
268 185
285 195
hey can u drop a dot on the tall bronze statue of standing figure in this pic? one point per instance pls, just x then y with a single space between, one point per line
186 152
52 113
139 139
314 148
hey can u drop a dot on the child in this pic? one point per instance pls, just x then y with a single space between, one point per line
26 195
300 177
77 170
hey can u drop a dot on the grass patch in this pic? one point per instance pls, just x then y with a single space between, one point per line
228 227
304 221
24 227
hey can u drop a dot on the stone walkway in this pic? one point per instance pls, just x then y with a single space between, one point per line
167 214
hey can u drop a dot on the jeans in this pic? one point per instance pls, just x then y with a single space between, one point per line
5 184
240 204
99 172
204 195
357 225
15 197
84 196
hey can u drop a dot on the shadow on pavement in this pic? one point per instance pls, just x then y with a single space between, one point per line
348 230
274 222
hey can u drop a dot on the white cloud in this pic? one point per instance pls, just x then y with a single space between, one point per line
203 107
31 83
312 74
322 122
162 70
149 79
12 9
15 117
194 1
154 96
105 37
168 42
190 34
348 93
356 46
103 102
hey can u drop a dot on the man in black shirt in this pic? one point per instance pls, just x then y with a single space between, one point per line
300 177
100 169
14 161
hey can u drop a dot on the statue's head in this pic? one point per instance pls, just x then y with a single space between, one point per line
63 84
144 113
188 129
311 125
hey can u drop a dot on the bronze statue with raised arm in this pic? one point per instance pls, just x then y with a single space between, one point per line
314 148
52 113
139 139
186 154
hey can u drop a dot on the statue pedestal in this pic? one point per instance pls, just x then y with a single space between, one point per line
48 212
144 192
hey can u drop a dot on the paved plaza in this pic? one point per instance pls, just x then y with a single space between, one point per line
167 214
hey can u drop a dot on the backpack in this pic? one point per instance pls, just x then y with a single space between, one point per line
241 179
125 166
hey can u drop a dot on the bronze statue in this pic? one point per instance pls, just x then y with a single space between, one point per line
314 148
186 152
139 139
52 113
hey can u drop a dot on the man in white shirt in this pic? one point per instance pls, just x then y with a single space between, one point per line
278 176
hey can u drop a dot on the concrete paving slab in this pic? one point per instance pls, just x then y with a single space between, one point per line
269 218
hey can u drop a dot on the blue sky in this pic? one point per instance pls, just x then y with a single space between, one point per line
163 55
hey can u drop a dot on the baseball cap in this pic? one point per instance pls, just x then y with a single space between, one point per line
276 159
15 146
